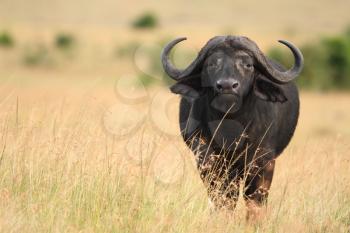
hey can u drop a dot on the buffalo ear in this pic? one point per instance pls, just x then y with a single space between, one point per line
184 90
190 88
269 91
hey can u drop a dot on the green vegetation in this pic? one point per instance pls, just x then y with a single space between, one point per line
37 55
146 60
64 41
146 20
6 39
42 54
127 50
327 62
152 72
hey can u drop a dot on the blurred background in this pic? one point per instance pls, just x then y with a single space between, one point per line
114 47
89 137
80 39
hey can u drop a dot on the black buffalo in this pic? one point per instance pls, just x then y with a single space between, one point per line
238 112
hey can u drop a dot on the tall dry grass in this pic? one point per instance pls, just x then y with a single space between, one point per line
65 166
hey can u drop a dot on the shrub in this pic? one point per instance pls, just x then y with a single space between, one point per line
152 71
127 50
338 60
327 62
315 75
37 55
147 20
147 80
6 39
64 41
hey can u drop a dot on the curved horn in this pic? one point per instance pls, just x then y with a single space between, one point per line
275 73
167 65
286 76
177 74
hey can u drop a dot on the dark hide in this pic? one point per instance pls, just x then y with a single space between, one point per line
239 126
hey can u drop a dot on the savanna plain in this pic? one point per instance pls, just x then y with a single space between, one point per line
84 149
84 161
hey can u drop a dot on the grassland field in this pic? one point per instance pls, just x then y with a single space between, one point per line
82 149
78 158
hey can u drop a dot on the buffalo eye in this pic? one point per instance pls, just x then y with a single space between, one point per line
214 65
245 63
248 66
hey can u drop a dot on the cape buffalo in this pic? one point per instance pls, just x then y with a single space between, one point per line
238 112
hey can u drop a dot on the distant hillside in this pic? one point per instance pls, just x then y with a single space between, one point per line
298 16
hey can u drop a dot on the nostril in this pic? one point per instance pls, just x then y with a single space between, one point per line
235 85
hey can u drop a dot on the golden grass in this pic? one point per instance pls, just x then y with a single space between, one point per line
65 167
76 157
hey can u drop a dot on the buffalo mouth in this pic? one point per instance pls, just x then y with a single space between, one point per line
229 103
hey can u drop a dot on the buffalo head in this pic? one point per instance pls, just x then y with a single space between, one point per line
227 69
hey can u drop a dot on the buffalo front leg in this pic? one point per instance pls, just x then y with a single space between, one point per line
221 183
257 186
